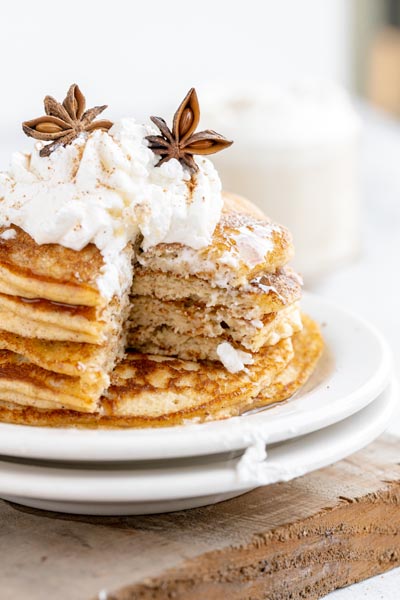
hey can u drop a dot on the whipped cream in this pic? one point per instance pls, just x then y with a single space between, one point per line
232 359
8 234
104 189
252 243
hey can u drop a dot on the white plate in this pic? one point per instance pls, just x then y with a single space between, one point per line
354 370
127 489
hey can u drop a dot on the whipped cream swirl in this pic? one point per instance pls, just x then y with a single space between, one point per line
105 189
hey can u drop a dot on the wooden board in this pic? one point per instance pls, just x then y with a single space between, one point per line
300 539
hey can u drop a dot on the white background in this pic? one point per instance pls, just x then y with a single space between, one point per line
142 56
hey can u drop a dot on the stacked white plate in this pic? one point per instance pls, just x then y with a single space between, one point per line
347 404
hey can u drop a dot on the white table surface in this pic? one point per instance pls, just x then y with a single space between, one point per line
370 286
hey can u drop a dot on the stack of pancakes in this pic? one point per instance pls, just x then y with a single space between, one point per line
234 301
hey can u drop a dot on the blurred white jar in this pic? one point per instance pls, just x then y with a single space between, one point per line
296 156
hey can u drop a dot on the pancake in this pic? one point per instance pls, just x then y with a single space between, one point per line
48 320
67 358
48 271
167 342
268 293
151 391
152 319
23 382
242 247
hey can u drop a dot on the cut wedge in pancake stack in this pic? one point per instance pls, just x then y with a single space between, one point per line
132 292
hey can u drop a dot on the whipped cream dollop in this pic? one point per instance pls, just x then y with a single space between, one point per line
104 189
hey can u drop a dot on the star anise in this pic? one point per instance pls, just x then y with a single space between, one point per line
64 122
182 143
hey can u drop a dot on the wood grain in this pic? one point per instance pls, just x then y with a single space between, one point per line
300 539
